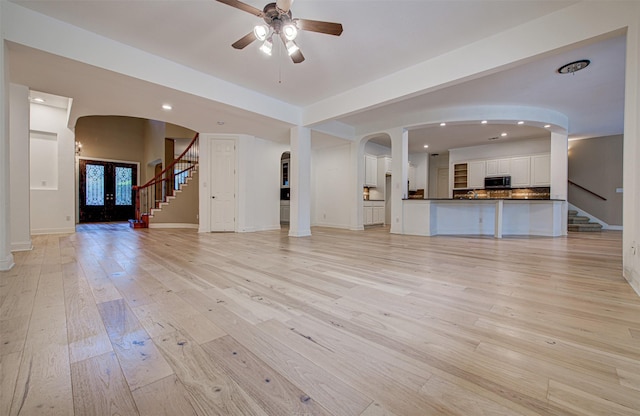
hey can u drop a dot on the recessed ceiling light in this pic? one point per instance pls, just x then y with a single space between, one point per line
546 126
166 107
520 122
38 100
483 122
573 67
426 146
443 124
503 134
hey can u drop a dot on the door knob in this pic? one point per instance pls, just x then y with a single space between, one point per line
213 197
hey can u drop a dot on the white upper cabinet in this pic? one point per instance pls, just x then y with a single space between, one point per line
540 170
370 171
497 167
476 174
387 165
520 171
412 178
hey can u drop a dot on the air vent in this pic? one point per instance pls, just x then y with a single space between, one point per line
493 138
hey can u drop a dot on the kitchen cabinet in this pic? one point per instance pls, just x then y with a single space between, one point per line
387 165
412 177
476 174
373 212
459 176
497 167
284 173
520 171
370 171
540 170
285 208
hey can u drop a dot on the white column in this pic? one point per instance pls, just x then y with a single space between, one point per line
631 159
357 173
560 171
19 167
399 176
6 258
300 188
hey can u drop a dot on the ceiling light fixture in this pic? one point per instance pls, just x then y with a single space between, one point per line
520 123
166 107
267 46
426 146
484 122
573 67
291 47
38 100
546 126
261 32
290 31
443 124
503 134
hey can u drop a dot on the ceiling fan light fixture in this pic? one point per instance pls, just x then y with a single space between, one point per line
261 32
292 47
290 31
267 46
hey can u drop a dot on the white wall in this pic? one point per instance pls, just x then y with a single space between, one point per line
52 210
435 163
331 186
6 258
19 165
259 184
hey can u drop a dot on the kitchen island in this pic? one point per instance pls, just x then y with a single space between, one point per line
498 217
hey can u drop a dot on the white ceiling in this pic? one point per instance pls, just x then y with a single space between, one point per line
379 39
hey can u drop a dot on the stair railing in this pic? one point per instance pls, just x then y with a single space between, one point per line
161 186
586 190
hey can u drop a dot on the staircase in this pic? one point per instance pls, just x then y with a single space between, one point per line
157 193
581 224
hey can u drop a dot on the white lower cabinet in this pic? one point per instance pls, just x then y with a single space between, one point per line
284 211
373 212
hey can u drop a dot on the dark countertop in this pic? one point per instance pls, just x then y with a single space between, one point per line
373 200
480 199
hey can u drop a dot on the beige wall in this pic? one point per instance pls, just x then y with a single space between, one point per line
181 210
596 164
111 137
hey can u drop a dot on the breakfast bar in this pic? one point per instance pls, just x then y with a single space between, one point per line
498 217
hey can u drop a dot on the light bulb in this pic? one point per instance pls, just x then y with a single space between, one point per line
290 31
267 46
292 47
261 32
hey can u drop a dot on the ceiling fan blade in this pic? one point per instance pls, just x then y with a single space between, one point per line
243 6
297 57
320 27
244 41
284 5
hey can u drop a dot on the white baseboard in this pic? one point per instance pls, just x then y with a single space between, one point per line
633 278
41 231
22 246
172 225
301 233
7 263
331 225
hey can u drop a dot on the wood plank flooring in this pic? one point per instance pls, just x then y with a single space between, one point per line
112 320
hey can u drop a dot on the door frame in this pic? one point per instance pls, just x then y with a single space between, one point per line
98 159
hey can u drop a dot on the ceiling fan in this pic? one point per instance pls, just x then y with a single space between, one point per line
279 22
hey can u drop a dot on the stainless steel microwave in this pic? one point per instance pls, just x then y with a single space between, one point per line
497 182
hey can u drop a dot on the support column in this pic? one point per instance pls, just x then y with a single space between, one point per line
399 176
19 169
300 188
560 172
357 173
6 258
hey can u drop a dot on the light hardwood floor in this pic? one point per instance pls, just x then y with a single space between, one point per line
112 320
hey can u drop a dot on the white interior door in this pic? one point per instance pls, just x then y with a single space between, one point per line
223 172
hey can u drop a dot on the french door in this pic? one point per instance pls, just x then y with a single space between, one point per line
106 191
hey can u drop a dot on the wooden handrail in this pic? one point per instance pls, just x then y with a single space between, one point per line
154 180
148 196
586 190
